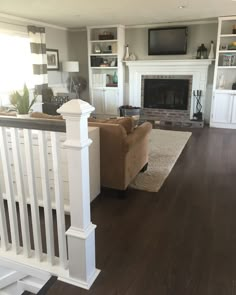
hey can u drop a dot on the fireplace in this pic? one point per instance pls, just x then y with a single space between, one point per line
166 94
194 70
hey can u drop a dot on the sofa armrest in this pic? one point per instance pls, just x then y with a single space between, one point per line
138 134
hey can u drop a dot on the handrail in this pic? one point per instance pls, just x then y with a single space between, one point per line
33 123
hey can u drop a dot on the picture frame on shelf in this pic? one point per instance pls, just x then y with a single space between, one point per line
52 59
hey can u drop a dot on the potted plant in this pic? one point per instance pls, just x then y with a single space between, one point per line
21 103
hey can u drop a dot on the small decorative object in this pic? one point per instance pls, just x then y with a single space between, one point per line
106 36
115 78
211 53
132 57
228 60
223 47
232 46
126 52
97 48
221 82
198 53
203 51
198 115
52 59
234 29
21 103
104 63
234 86
113 63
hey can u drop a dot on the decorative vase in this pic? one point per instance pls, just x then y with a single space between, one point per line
211 53
126 52
115 78
221 82
132 57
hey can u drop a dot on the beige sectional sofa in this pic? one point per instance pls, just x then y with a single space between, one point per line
123 150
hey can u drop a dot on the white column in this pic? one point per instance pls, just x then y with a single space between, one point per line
81 234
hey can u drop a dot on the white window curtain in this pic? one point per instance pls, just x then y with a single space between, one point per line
15 65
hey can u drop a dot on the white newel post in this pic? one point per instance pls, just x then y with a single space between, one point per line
81 234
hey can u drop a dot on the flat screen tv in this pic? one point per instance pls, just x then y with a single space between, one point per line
163 41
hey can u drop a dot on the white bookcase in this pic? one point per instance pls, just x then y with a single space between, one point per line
106 45
223 111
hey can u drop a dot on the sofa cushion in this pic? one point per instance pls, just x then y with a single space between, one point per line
126 122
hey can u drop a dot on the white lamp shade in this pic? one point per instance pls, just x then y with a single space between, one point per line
70 66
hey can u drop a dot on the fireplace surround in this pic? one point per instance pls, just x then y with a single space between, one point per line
196 71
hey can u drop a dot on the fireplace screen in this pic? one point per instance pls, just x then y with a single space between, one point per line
166 93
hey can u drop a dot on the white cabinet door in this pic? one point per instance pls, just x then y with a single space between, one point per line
222 108
111 101
98 100
233 117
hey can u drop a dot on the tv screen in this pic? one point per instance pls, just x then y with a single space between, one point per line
162 41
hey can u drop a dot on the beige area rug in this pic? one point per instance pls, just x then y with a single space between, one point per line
164 149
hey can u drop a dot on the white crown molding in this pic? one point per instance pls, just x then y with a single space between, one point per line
182 23
194 22
83 29
28 21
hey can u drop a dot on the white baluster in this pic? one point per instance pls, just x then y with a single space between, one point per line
59 198
9 189
42 143
32 193
3 226
81 234
21 191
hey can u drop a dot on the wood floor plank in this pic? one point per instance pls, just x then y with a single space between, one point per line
179 241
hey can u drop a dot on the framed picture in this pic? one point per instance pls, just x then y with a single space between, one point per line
52 59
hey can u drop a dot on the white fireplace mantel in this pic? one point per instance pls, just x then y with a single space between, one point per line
197 68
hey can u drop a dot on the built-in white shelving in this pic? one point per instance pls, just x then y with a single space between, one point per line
106 70
223 111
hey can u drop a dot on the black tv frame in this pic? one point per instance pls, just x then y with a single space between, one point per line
167 52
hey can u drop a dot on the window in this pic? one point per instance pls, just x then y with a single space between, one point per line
15 65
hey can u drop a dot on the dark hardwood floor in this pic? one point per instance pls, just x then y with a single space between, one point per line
179 241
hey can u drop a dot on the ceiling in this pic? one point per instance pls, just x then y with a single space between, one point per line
77 13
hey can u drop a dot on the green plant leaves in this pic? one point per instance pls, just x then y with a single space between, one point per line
21 102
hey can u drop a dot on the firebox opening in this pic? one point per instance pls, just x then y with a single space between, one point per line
166 93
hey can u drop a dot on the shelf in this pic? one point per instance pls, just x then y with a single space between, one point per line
228 35
103 54
104 68
103 41
226 67
227 51
105 87
225 91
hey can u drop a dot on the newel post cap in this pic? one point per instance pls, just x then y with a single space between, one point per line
75 107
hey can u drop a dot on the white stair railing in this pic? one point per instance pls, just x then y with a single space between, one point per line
30 168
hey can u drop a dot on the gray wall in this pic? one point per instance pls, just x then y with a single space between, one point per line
137 39
78 50
57 39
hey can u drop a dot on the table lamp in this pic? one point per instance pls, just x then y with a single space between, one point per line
71 67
